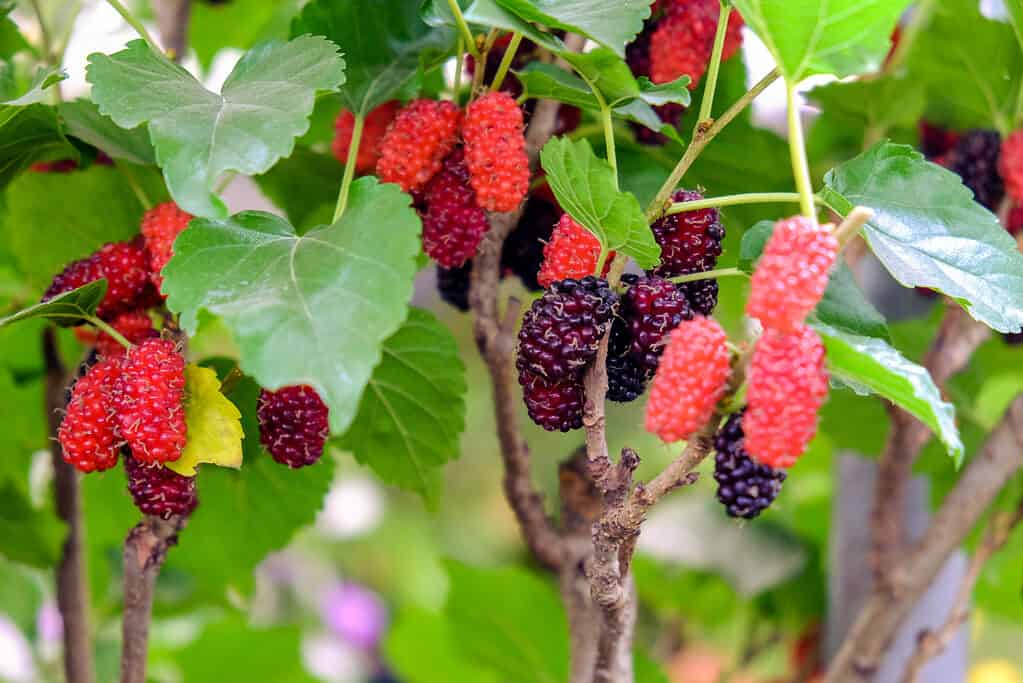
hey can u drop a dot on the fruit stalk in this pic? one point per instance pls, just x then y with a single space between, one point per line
130 19
707 103
346 180
735 200
797 150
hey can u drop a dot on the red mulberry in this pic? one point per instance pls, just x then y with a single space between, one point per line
148 398
159 491
495 151
88 433
373 130
293 424
416 143
453 224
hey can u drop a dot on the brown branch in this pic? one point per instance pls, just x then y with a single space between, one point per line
172 22
930 644
72 573
145 550
999 459
957 339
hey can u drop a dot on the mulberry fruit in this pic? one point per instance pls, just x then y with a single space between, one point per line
745 488
652 307
522 253
416 143
453 285
684 40
135 326
148 398
293 424
161 225
573 252
626 379
159 491
690 241
1010 165
936 141
701 294
975 160
555 406
373 129
792 273
691 379
453 224
124 265
563 328
88 433
495 151
787 385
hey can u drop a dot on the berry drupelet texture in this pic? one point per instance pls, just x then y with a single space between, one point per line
453 285
787 385
495 151
373 130
1010 165
161 225
522 252
555 406
690 380
690 241
572 252
975 159
293 424
652 308
792 273
626 379
124 265
88 433
746 488
684 40
159 491
135 326
563 328
701 294
416 143
453 223
148 398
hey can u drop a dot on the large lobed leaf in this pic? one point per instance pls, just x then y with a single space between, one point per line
413 411
198 135
971 81
585 187
871 365
311 309
612 23
840 37
929 232
386 45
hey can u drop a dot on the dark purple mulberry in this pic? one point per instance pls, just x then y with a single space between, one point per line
745 487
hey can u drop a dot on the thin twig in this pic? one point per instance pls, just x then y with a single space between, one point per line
72 574
145 550
930 644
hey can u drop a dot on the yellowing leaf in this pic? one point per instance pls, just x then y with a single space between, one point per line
214 424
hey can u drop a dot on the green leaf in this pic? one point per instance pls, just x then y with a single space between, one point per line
96 206
843 306
647 670
488 13
607 72
510 621
413 411
29 134
656 94
585 187
871 365
198 135
21 594
214 428
67 309
311 309
840 37
44 79
386 45
302 183
970 83
548 81
928 231
238 24
421 648
612 23
84 121
28 535
255 653
11 40
880 103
